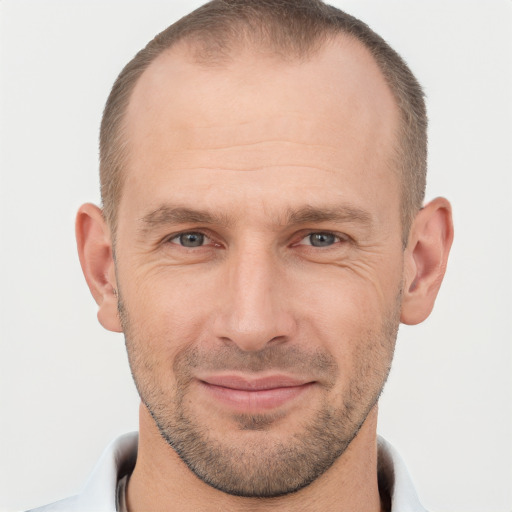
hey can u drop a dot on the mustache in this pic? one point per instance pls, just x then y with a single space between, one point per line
318 365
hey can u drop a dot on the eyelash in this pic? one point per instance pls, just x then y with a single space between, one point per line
185 233
338 238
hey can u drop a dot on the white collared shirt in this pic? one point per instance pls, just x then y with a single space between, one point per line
100 493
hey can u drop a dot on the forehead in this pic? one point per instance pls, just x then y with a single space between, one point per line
332 112
336 95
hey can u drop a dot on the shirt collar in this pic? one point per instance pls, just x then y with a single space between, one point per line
393 475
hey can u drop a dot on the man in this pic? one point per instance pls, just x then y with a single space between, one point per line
261 238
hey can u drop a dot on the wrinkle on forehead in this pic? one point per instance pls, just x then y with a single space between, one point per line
259 156
336 100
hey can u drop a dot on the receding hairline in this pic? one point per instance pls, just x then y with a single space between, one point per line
189 52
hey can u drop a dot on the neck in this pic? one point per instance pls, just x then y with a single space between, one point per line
162 482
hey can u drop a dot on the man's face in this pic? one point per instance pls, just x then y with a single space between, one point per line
259 259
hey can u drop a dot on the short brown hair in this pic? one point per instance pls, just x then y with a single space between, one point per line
293 29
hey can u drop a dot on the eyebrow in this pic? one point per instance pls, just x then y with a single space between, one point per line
339 214
169 215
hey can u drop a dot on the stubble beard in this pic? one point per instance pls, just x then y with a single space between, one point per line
264 465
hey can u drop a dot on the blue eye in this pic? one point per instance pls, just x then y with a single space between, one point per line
189 239
321 239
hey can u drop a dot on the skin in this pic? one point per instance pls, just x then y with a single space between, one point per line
248 157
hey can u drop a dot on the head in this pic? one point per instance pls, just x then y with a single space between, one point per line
257 173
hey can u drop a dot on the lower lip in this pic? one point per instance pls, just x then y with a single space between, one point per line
255 400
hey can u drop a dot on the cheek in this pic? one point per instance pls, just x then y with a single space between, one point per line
171 308
354 316
350 296
167 308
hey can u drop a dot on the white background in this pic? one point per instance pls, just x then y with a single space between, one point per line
65 387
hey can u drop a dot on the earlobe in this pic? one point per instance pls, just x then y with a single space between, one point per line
96 258
426 257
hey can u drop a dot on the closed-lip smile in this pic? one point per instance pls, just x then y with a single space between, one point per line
254 394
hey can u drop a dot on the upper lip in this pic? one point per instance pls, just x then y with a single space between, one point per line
245 383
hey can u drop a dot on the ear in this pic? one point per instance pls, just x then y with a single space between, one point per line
97 260
426 257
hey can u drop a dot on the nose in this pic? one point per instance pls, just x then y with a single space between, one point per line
253 310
